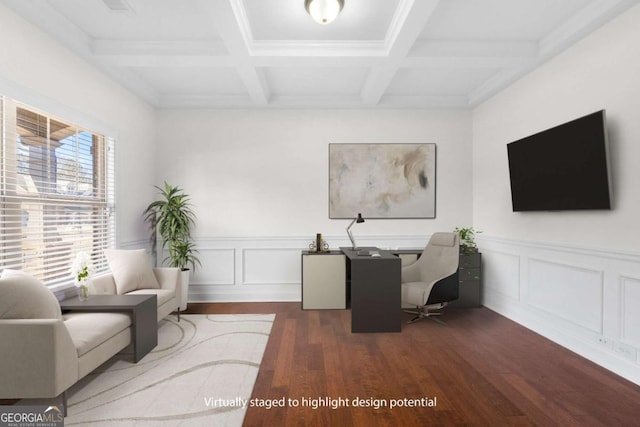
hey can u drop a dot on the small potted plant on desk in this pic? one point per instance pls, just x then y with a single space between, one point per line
468 243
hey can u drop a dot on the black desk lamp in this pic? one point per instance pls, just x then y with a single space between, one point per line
357 219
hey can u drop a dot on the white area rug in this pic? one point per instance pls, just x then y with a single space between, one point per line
197 361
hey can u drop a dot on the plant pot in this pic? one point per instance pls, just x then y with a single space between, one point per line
185 288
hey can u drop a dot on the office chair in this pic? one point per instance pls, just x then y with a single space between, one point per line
432 281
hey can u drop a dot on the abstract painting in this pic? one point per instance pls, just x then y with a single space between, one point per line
382 180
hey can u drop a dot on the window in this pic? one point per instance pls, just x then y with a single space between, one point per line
56 193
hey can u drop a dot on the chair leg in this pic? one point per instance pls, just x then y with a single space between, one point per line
424 313
419 314
64 403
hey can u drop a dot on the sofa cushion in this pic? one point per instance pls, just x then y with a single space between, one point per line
25 297
131 270
89 330
163 295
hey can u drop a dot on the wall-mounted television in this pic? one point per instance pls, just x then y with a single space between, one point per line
562 168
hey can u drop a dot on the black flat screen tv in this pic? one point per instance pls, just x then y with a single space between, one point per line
562 168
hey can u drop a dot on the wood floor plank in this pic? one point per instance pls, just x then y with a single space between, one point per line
284 362
482 368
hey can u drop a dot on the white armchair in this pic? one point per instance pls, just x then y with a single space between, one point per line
432 282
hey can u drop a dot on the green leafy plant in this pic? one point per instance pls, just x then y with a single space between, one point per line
467 235
173 218
183 255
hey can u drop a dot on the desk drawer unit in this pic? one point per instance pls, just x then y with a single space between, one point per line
470 273
323 280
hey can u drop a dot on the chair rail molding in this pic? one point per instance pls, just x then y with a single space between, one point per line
266 268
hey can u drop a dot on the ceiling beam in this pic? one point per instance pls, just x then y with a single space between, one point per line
159 47
192 53
474 49
410 19
213 53
319 48
224 16
470 54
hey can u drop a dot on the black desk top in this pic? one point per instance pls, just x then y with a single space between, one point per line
366 252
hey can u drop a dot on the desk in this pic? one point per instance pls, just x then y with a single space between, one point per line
371 283
375 290
144 317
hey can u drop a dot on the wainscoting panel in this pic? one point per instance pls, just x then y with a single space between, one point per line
570 292
217 267
271 266
582 298
630 316
501 273
266 268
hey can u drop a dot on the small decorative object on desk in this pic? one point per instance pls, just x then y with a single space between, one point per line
81 270
319 245
467 239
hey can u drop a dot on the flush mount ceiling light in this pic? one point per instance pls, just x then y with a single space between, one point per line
323 11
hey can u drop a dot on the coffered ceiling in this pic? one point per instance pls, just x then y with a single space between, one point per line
270 53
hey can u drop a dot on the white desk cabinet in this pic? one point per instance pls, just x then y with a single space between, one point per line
323 280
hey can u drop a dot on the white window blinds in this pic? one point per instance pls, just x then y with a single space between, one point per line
56 195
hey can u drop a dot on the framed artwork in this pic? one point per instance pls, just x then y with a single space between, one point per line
382 180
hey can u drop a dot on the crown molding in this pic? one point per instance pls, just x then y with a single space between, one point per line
321 101
582 23
496 83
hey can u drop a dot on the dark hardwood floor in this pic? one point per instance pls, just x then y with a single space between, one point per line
481 368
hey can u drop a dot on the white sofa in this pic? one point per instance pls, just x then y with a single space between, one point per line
131 273
43 353
169 293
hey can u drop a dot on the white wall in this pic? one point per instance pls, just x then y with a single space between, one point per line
259 179
573 276
36 70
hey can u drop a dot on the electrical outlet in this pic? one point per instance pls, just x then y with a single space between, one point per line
625 350
604 341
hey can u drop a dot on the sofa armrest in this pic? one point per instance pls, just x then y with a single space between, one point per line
39 359
102 285
170 278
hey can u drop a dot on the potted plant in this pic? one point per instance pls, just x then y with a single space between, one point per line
183 255
172 218
467 239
